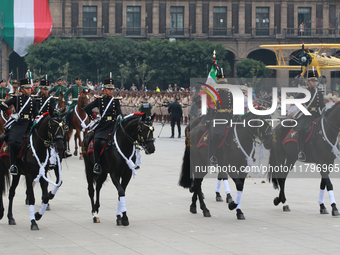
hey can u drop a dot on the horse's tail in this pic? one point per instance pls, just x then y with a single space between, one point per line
185 179
272 164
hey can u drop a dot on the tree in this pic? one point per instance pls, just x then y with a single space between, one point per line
124 73
251 71
143 74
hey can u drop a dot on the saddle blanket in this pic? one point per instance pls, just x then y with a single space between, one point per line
204 141
293 135
4 151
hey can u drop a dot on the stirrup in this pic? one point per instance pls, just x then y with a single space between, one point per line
302 156
97 169
13 170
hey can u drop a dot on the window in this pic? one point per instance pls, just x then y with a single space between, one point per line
304 20
133 20
177 20
89 20
220 21
262 20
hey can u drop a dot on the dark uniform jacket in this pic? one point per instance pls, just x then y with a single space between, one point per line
27 116
146 108
41 101
224 111
107 121
175 109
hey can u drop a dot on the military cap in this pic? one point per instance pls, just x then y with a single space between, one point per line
44 84
59 79
108 83
2 80
312 76
77 78
15 81
36 80
221 79
25 83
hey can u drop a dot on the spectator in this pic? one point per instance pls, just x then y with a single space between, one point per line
175 110
133 87
157 89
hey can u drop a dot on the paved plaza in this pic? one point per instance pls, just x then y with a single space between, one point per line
160 221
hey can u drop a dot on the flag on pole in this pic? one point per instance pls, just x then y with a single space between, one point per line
211 80
25 22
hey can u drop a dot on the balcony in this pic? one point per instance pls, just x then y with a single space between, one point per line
220 32
178 32
311 33
263 32
68 32
135 32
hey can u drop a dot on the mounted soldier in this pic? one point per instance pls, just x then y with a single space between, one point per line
223 111
3 90
36 83
314 106
109 109
58 88
44 100
27 109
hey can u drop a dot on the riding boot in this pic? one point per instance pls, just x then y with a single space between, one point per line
98 145
13 157
66 154
301 143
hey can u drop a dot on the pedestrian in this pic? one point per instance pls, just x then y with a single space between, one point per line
302 28
175 110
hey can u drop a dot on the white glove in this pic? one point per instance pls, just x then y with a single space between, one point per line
15 116
98 118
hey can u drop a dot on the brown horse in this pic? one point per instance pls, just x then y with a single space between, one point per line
61 102
79 122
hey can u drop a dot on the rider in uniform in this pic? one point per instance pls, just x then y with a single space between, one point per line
27 109
224 111
109 109
3 90
44 100
315 106
58 88
36 86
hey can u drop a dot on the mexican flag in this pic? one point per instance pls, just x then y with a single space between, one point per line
25 22
211 80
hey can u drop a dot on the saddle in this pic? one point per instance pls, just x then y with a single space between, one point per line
4 150
204 140
292 135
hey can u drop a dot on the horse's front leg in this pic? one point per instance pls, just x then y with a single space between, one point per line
239 182
198 190
95 206
76 136
121 215
326 182
11 194
31 198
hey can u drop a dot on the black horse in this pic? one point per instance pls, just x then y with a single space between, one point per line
318 149
134 130
230 156
46 145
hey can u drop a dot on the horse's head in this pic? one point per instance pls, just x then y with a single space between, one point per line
145 133
61 102
261 127
83 98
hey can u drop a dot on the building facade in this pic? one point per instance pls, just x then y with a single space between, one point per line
240 25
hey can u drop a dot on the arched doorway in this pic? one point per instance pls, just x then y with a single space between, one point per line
231 60
266 56
17 65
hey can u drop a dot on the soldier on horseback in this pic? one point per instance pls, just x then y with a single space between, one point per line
75 91
314 106
223 111
109 109
3 90
59 88
27 109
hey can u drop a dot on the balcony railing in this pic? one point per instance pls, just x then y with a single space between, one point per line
178 32
263 32
224 32
77 32
311 32
140 32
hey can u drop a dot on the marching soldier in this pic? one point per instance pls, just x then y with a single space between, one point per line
109 109
27 109
58 88
224 111
3 90
314 106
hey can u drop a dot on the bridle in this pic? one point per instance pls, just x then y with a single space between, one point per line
52 138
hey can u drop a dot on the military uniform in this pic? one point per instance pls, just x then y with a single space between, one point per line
175 109
145 107
57 89
315 106
45 101
3 93
23 124
106 123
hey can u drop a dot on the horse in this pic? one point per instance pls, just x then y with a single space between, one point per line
322 140
118 160
61 103
44 152
80 121
235 153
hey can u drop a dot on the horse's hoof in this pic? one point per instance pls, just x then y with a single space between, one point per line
232 205
11 222
119 220
286 208
218 197
75 153
81 158
96 220
323 209
34 225
37 216
229 199
125 221
193 209
240 215
206 213
276 201
335 211
48 208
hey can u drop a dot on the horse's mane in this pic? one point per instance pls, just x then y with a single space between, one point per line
328 112
131 117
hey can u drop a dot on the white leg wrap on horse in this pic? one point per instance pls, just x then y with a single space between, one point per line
119 211
54 190
321 196
226 187
218 185
122 204
238 197
31 208
43 209
331 196
238 206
